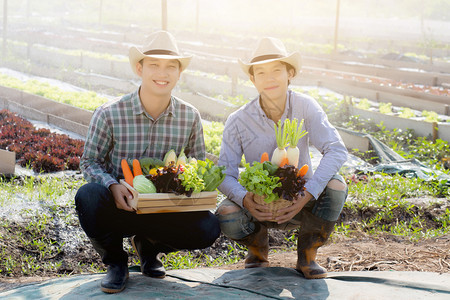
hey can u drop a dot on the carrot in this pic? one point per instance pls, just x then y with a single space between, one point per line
284 162
127 172
137 170
264 157
303 170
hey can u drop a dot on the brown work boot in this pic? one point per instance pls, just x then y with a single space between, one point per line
258 248
313 233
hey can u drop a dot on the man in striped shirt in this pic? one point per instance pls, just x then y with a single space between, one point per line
250 131
146 123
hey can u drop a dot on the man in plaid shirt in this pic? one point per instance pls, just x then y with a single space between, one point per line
148 122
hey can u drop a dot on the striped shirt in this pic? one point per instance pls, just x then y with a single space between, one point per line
249 132
123 129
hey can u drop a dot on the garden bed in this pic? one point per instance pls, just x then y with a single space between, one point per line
77 120
38 149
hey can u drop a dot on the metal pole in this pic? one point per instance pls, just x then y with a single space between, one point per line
336 26
164 14
5 15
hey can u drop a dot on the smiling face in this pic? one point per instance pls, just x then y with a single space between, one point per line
271 80
159 76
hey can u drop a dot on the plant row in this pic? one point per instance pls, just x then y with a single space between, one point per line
434 90
87 100
38 149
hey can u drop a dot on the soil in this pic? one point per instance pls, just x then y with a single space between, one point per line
369 253
360 252
353 250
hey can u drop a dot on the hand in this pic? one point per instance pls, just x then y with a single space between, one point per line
121 196
287 213
260 212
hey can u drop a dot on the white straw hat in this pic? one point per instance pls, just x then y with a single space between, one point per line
160 44
271 49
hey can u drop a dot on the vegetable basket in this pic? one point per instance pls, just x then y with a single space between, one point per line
169 202
273 206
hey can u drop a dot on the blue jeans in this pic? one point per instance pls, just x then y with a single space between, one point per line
99 217
328 206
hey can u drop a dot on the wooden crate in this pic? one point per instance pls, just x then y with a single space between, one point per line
169 202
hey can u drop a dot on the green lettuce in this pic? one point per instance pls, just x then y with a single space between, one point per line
258 180
211 174
191 180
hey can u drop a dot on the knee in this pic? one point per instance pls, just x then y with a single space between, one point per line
91 196
209 230
226 210
337 185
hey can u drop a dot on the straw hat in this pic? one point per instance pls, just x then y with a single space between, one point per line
271 49
160 44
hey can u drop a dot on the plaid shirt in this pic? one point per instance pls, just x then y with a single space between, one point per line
123 129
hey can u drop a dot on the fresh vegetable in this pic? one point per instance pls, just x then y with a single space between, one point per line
148 163
264 157
295 134
211 174
191 180
170 158
303 170
143 185
193 177
291 185
284 161
166 180
182 159
256 179
137 170
273 182
270 167
127 174
281 134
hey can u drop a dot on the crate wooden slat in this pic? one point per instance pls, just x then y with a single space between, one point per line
169 202
150 210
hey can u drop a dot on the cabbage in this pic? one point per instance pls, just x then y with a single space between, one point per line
143 185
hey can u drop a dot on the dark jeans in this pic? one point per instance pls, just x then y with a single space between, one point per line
100 218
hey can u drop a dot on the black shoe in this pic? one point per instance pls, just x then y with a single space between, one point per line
151 265
115 279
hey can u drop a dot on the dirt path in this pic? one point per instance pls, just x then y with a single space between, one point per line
365 253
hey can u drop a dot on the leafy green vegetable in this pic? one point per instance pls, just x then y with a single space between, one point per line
270 167
143 185
190 179
257 179
148 163
211 174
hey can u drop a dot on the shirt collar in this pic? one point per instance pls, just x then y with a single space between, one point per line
138 108
286 107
